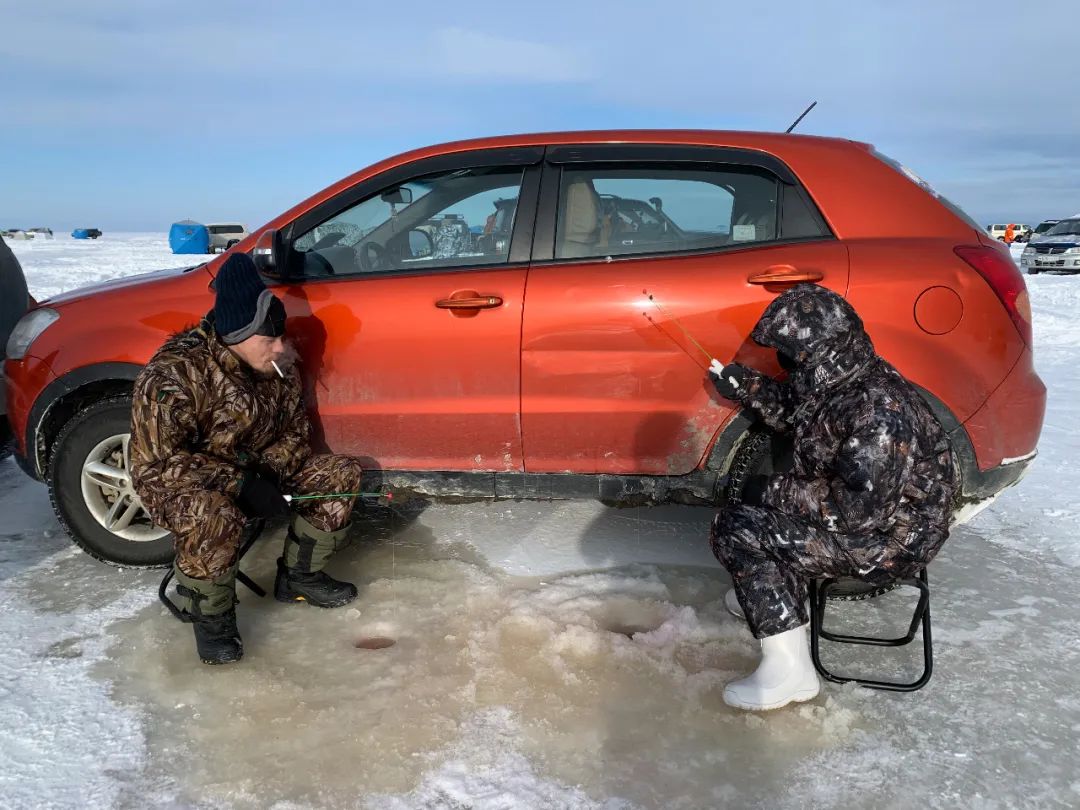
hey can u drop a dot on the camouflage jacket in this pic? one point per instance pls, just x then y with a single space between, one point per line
200 418
869 455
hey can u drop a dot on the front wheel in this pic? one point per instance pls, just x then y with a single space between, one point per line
90 485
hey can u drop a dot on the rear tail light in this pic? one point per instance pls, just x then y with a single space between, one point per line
1004 278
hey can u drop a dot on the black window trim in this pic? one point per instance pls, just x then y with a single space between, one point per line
669 153
564 156
526 158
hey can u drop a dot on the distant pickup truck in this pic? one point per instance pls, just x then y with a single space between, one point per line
223 235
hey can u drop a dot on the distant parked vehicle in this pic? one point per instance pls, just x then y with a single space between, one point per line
1000 232
1042 228
223 235
85 233
1057 249
15 300
41 233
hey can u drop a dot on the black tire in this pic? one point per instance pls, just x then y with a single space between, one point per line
1032 271
761 452
90 426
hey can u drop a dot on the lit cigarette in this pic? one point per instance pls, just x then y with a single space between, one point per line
277 369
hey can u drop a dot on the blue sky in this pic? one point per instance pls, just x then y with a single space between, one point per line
130 115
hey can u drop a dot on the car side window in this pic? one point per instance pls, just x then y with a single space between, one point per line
608 210
462 218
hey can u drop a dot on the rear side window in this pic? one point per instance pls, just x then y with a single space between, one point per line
631 209
799 218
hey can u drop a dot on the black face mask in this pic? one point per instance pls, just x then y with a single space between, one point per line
786 361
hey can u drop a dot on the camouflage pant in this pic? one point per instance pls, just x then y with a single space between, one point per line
771 557
208 525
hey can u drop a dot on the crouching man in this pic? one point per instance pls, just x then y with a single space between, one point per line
870 495
218 436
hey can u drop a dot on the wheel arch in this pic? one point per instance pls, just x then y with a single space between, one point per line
66 396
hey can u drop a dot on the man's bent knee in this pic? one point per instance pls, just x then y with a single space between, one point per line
208 528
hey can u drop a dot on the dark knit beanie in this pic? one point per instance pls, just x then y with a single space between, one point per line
244 307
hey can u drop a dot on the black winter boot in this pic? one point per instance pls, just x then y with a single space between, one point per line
316 587
217 639
210 607
300 577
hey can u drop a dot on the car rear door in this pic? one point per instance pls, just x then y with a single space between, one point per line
648 261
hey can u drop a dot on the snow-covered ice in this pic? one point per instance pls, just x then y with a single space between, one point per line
548 655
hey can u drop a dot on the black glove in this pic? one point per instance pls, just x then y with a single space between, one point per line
727 379
753 491
260 498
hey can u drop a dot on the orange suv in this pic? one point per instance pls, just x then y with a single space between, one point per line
504 318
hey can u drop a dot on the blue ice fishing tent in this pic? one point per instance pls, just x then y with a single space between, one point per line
189 237
81 233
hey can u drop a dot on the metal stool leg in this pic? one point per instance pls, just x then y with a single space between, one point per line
252 532
819 596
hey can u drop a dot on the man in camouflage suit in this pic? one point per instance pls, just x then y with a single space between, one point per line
870 495
218 435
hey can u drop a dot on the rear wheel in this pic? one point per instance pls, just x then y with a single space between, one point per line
761 452
90 485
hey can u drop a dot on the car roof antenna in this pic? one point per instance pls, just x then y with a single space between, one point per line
801 117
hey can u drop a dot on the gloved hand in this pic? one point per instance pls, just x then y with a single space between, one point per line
260 498
727 379
753 491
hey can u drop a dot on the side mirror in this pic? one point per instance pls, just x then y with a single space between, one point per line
270 254
421 245
397 196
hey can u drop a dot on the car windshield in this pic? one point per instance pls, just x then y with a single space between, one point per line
1067 227
1044 227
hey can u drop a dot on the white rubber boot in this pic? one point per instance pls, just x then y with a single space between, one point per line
785 674
731 602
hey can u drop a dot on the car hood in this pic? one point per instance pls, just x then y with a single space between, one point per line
1063 239
137 280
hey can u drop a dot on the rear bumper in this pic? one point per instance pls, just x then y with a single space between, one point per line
996 447
980 485
1005 430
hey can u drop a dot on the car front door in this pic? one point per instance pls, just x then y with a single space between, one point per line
406 303
648 262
